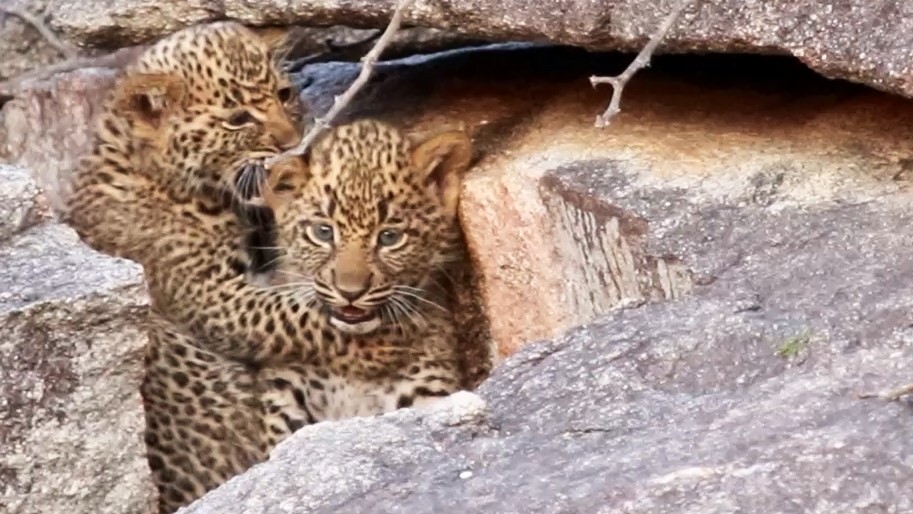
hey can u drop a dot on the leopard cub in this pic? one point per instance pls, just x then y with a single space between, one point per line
367 222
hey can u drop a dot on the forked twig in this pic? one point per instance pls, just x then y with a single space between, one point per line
64 48
341 101
641 61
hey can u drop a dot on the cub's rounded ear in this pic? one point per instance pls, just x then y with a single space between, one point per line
148 98
284 180
272 36
280 40
441 160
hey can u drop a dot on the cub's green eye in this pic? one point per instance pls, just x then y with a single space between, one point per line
320 233
389 237
240 118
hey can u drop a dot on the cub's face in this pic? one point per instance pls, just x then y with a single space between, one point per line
207 99
367 220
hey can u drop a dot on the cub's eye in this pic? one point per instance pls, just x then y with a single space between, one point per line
389 237
239 119
320 233
284 94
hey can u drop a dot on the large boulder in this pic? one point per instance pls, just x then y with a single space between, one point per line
728 385
71 346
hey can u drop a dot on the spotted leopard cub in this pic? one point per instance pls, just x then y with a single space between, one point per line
157 188
368 220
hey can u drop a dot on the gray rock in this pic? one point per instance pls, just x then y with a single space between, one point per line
21 204
23 49
739 397
71 340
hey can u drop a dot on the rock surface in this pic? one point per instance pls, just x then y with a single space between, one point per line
71 416
865 41
788 202
49 125
682 407
22 202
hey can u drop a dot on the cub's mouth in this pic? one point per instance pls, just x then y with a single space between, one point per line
354 320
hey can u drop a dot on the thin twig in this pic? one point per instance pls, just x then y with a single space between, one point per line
641 61
64 48
340 102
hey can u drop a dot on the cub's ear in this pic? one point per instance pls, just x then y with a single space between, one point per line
272 37
441 161
148 98
284 180
279 40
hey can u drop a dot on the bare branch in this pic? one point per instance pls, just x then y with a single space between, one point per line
340 102
641 61
64 48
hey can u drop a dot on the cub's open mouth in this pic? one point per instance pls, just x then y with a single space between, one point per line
353 320
351 314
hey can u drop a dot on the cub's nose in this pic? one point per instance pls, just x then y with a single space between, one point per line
352 294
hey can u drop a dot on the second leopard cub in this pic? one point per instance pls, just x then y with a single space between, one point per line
368 220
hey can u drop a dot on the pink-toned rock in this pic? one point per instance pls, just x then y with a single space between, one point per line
48 126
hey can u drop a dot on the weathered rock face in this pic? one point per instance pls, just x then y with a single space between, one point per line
866 41
21 200
49 126
784 205
71 417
